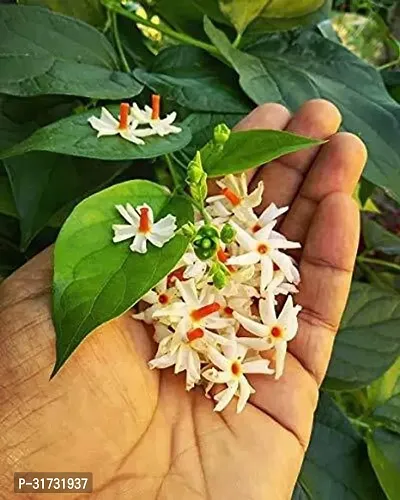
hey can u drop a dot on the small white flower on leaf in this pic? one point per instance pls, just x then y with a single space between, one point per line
263 247
125 126
276 331
234 198
151 116
142 228
233 370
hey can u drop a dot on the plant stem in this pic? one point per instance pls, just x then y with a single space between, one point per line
199 207
359 423
110 4
118 43
237 40
174 174
378 262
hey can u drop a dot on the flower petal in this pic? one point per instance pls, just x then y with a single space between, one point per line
280 351
244 394
244 260
270 213
267 272
251 326
267 310
224 397
244 239
216 377
188 292
163 362
139 244
218 359
258 366
123 232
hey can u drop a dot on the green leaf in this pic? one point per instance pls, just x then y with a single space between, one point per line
96 280
89 11
368 342
285 15
195 80
251 148
7 204
378 238
10 257
242 12
389 413
384 453
45 184
254 76
336 465
382 389
134 43
46 53
74 136
293 67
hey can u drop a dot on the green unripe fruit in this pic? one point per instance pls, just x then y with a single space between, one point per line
209 232
228 233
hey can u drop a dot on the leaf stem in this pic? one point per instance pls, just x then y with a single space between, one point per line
378 262
237 40
118 43
110 4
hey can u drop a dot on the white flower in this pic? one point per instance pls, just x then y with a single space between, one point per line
279 285
263 247
194 311
175 350
195 268
159 296
125 127
233 370
271 213
151 116
276 331
181 348
142 227
234 198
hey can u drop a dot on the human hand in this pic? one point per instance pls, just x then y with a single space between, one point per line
139 432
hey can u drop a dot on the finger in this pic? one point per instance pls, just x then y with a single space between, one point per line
282 178
269 116
326 269
337 168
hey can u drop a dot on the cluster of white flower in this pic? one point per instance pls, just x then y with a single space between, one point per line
131 117
215 313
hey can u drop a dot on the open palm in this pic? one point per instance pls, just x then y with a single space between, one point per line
137 430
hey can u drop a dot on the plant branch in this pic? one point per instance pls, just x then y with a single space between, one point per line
378 262
197 205
174 174
110 4
118 43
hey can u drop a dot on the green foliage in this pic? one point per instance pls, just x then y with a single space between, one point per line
90 11
245 150
336 464
315 67
378 238
45 53
96 280
384 452
368 342
389 413
73 136
241 12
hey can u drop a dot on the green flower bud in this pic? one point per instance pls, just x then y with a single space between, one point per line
219 279
189 231
228 233
197 179
221 133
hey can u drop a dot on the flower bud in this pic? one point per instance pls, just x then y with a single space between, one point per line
221 133
189 231
228 233
219 279
197 179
